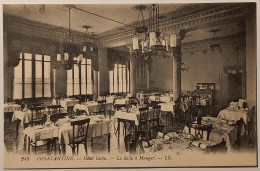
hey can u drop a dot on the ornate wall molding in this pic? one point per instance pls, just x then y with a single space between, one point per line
204 45
15 24
219 15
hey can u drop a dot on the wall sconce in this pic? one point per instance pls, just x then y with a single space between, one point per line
184 67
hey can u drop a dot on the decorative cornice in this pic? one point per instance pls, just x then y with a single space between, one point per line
221 14
15 24
224 42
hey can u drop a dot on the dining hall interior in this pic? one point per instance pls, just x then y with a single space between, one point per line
130 78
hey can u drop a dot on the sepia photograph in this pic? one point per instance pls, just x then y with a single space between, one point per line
129 85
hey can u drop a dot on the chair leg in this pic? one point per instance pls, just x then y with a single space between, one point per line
73 150
35 147
91 140
77 149
85 146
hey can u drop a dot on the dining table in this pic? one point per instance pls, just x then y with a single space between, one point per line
63 130
132 117
230 114
161 98
220 130
11 107
91 106
112 99
167 107
68 102
25 116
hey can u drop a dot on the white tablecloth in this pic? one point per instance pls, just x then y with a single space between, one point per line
161 98
95 129
91 107
40 132
234 114
26 117
219 131
167 107
111 99
11 107
133 116
68 102
121 101
65 131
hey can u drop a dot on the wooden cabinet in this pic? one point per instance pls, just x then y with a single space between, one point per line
206 90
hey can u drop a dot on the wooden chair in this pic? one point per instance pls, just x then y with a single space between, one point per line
102 108
132 101
155 121
80 131
50 143
70 111
199 129
40 117
143 120
54 109
240 123
213 147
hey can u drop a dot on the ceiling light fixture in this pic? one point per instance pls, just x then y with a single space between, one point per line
154 44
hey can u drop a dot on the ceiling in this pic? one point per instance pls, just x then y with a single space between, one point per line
58 15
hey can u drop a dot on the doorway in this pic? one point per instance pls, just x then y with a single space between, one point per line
234 86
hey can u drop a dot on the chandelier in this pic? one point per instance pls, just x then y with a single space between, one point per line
89 48
154 44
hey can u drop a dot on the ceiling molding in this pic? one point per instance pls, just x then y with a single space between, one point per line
191 22
225 42
15 24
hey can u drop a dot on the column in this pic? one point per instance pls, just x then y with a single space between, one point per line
103 70
132 71
177 65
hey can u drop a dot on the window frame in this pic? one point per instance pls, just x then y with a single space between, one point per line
118 67
33 76
80 78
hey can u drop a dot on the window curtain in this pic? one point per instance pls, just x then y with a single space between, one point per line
117 57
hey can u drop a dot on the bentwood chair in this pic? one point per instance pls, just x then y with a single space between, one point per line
102 108
37 115
55 112
80 132
155 121
143 119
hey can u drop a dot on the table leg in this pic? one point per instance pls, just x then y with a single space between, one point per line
28 143
18 121
108 142
118 130
48 148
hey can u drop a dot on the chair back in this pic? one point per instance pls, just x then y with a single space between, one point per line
156 115
143 114
132 101
54 109
240 124
39 115
157 97
101 105
156 112
199 129
33 105
80 130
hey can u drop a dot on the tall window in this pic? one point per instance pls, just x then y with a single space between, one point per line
32 77
119 79
79 78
